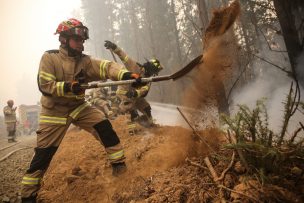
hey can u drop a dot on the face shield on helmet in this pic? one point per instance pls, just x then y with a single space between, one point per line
152 67
81 32
72 28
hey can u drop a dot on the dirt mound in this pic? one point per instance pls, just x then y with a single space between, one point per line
79 171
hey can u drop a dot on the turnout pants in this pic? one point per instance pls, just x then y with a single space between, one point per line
128 105
103 105
11 131
50 134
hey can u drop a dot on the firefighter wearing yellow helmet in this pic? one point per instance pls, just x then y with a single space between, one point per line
10 120
133 98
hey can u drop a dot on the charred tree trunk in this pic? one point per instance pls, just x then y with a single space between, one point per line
179 53
203 14
135 29
291 17
150 28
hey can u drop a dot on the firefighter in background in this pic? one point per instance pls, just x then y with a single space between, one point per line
61 73
10 120
133 98
99 97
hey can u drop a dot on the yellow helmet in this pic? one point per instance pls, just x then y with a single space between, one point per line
152 67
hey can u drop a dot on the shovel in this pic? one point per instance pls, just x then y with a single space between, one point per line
174 76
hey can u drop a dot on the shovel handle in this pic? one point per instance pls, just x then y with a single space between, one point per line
124 82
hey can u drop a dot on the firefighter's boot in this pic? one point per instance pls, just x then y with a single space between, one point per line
11 137
149 119
132 128
118 168
134 115
29 200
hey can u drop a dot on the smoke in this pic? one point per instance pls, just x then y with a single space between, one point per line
273 85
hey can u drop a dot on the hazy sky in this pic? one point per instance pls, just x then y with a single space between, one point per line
27 30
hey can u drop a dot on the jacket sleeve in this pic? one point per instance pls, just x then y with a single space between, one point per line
129 63
47 78
101 69
143 91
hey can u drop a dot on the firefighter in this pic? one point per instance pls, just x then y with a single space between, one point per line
99 97
61 73
10 120
133 98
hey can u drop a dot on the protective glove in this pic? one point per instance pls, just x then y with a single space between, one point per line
74 87
132 93
110 45
130 76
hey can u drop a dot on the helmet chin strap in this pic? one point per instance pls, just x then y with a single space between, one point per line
71 52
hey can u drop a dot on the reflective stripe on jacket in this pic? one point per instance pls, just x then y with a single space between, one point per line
56 68
62 120
9 115
132 66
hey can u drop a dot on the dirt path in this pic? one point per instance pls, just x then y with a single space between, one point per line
14 160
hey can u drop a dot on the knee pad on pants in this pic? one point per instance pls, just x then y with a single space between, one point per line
42 159
106 133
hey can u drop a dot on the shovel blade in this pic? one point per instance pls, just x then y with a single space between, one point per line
187 68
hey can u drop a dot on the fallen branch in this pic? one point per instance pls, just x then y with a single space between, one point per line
195 164
240 153
237 192
194 130
215 177
227 169
211 169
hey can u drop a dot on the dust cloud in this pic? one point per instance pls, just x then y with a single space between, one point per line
218 61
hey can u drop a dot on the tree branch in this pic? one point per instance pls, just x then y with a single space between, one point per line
237 80
240 193
289 73
268 42
195 164
227 169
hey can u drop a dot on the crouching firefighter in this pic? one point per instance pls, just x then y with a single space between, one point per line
133 97
60 75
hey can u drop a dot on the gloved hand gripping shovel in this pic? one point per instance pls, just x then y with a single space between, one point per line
174 76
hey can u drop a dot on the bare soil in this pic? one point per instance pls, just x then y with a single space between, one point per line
15 159
156 158
165 164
